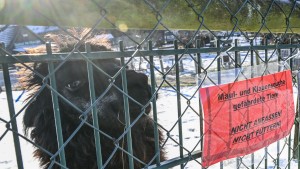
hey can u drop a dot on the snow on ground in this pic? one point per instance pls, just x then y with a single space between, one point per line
7 152
168 116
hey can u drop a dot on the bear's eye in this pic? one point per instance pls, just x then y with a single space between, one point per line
75 85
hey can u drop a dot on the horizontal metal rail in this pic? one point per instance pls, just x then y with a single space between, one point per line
178 160
118 54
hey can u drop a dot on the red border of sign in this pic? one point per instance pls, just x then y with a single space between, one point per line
244 116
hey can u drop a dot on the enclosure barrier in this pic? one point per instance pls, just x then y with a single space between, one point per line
174 69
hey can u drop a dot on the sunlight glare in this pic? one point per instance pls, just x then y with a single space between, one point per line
2 4
123 27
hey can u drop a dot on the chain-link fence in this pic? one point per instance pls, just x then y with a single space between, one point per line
124 92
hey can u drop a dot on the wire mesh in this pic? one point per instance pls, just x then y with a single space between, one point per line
90 108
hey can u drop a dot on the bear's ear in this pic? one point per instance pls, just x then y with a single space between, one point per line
36 109
31 113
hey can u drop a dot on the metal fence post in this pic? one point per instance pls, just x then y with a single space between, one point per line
198 71
237 58
279 55
290 135
219 75
126 108
153 86
94 109
177 70
266 59
161 64
56 110
10 102
219 61
266 51
291 54
251 53
298 134
199 59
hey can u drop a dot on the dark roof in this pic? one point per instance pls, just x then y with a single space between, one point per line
7 34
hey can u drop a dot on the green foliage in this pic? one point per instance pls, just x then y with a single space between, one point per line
176 14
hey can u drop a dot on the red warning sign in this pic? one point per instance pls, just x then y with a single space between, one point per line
244 116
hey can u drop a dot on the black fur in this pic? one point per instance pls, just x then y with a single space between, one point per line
72 83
